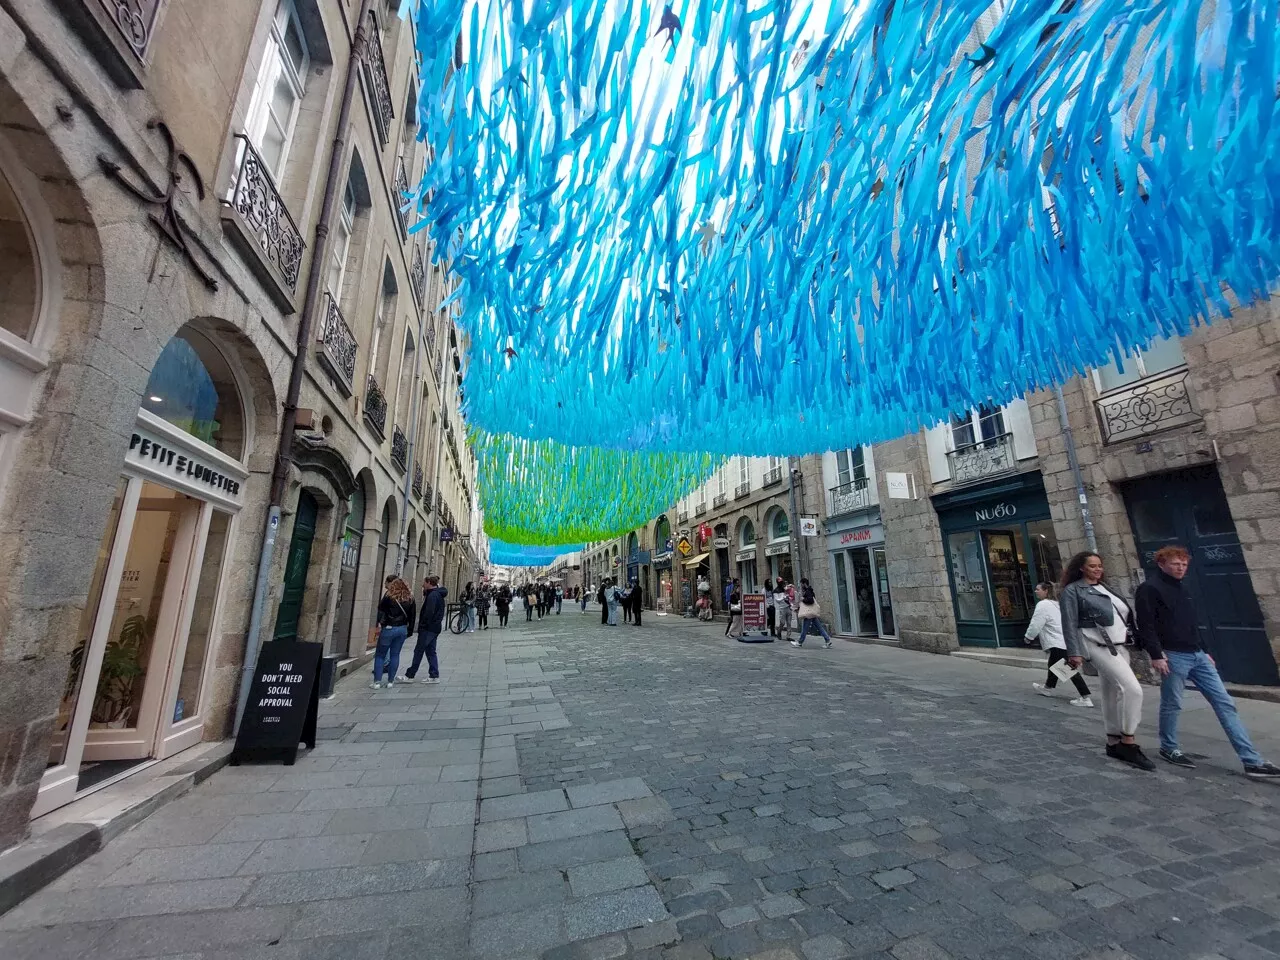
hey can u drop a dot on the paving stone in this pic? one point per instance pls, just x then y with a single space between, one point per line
501 835
919 948
521 892
522 805
573 823
611 912
646 812
893 879
611 791
521 934
780 906
825 948
607 875
736 916
568 853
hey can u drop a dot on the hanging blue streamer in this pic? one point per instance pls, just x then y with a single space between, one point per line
793 225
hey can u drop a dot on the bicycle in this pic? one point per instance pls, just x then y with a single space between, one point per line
456 617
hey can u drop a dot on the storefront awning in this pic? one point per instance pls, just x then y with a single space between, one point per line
694 561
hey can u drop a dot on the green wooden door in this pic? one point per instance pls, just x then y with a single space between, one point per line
295 571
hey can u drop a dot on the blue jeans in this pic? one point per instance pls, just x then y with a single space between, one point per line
387 653
426 646
812 623
471 618
1199 669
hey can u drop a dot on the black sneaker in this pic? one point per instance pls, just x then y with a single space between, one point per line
1180 759
1262 771
1132 754
1113 751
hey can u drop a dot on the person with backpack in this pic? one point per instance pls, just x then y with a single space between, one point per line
810 614
395 612
430 623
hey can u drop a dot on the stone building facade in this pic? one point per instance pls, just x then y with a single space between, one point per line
162 200
1177 443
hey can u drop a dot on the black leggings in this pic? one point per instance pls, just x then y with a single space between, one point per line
484 620
528 613
502 618
1056 654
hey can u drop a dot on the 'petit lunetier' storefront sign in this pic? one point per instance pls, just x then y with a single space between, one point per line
170 457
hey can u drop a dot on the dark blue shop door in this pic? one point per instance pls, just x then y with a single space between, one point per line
1188 507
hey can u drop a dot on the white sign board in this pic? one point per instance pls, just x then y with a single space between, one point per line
808 526
898 485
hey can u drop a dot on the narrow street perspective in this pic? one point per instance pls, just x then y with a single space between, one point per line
568 792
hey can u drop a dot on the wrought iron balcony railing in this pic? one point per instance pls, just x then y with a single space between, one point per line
700 509
684 516
375 71
418 276
851 496
338 346
742 490
720 500
773 476
375 408
986 458
401 186
264 227
417 480
119 33
1148 406
399 449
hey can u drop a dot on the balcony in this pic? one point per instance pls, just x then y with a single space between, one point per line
848 497
418 276
979 461
774 475
399 449
1149 406
375 408
401 187
338 347
428 494
417 481
684 516
742 490
719 500
700 509
258 221
375 77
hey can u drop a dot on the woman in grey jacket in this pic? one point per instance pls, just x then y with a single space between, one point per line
1095 628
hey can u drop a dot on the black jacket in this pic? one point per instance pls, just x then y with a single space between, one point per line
1166 616
392 613
432 618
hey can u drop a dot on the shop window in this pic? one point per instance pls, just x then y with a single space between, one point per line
964 552
747 534
188 703
1044 550
193 388
985 424
19 268
851 466
278 92
779 525
1159 356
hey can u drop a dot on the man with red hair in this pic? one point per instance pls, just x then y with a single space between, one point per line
1167 630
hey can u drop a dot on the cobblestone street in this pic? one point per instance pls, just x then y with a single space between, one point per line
576 792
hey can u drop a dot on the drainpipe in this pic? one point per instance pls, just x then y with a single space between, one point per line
289 421
1086 517
793 467
435 484
402 541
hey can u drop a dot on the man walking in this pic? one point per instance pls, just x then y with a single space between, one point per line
637 601
430 623
1167 629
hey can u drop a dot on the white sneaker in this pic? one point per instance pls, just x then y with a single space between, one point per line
827 645
376 685
1082 702
391 683
1042 690
794 643
431 680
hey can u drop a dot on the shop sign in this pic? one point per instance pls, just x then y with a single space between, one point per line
283 700
684 546
777 549
753 615
720 543
856 536
172 463
808 526
999 511
898 486
745 555
446 535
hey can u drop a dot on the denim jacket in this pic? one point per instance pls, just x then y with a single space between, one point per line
1082 610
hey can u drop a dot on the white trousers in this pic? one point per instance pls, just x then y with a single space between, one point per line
1121 692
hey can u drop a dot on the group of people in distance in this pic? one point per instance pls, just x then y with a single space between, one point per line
612 598
540 598
1093 629
784 605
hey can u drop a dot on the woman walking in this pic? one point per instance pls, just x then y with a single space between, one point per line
395 613
602 598
1046 626
482 608
770 612
530 601
809 616
782 611
735 629
1095 628
503 604
469 604
614 596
